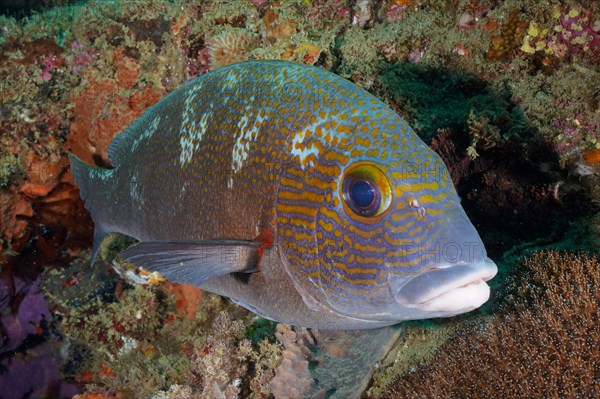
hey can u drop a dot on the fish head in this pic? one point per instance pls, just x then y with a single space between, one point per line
377 233
437 265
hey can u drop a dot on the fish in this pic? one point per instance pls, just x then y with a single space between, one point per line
295 193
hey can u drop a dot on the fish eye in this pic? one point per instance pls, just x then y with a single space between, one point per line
366 190
362 195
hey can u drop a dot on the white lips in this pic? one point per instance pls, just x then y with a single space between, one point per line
450 289
459 300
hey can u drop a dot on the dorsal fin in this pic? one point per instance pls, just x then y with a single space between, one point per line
143 127
120 147
119 144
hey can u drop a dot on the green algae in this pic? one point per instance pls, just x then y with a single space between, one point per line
10 167
434 99
360 58
259 330
114 243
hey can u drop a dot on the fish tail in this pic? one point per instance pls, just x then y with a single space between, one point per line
93 184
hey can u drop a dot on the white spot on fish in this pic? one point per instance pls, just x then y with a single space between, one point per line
301 149
134 192
147 133
248 133
192 131
303 154
101 174
230 79
190 138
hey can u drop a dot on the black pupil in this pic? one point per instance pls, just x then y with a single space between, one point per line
362 193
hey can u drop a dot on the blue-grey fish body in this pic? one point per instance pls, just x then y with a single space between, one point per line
368 229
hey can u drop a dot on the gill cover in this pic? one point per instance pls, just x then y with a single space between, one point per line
332 241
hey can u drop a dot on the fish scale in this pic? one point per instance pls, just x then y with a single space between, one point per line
270 146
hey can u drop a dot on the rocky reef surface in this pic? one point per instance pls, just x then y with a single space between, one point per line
506 92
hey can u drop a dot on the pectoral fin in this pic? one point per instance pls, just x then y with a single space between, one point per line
194 262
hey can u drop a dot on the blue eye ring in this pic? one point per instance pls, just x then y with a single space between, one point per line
366 191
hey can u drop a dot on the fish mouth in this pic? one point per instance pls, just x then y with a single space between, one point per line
449 289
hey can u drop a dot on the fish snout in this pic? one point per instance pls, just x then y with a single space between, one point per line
448 289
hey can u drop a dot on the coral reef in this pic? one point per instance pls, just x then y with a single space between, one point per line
567 32
505 41
435 99
543 340
162 340
329 363
418 344
505 92
293 379
224 354
512 185
25 319
105 107
28 311
36 374
228 48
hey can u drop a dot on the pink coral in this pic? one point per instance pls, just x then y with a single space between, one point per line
49 63
82 57
575 132
326 14
576 36
258 3
292 378
395 12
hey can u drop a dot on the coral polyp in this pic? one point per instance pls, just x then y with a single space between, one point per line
228 48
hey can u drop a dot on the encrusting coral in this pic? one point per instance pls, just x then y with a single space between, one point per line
504 42
543 342
292 379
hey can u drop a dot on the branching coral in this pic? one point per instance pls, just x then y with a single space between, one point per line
165 340
544 341
222 362
483 135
